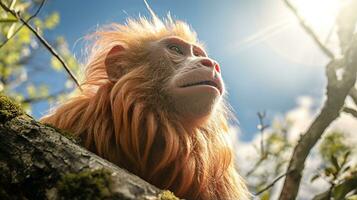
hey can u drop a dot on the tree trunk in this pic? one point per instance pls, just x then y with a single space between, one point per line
39 162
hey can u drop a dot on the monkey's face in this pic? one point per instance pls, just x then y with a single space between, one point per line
195 84
178 76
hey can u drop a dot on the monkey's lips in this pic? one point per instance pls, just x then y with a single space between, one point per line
214 83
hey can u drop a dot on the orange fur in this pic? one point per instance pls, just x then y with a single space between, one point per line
124 123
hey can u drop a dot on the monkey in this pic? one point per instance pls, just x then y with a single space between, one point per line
153 102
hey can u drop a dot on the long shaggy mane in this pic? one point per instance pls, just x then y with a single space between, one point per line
125 123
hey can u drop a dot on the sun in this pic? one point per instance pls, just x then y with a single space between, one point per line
294 44
282 32
319 14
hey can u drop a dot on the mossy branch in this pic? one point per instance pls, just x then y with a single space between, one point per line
38 162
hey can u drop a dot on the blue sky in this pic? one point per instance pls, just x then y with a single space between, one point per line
267 61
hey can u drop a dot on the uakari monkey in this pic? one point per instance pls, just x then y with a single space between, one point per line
152 102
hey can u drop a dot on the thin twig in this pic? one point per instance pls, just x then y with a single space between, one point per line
262 127
272 183
263 153
351 111
22 25
43 41
309 30
41 98
256 165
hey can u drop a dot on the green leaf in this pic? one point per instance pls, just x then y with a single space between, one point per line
329 170
52 21
22 6
335 163
56 65
344 188
1 86
11 31
353 197
265 195
37 23
31 90
43 90
346 169
316 176
8 20
24 36
12 6
345 158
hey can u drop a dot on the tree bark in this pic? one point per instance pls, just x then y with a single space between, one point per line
38 162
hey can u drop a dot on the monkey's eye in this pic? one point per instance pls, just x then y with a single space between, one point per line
198 54
175 48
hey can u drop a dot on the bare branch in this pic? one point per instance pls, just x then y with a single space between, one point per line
22 25
309 31
42 98
351 111
337 92
263 154
43 41
262 127
257 164
272 183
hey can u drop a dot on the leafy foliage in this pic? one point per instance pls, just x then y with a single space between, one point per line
273 161
19 55
337 167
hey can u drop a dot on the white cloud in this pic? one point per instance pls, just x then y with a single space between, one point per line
300 117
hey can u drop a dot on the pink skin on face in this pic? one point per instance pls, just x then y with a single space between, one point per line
196 86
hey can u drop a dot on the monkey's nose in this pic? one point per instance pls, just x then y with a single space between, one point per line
217 67
210 63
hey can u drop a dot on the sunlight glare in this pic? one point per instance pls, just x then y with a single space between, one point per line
319 14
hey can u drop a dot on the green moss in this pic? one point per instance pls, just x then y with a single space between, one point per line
167 195
85 185
9 109
66 134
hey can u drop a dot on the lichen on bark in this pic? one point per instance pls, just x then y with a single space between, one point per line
85 185
41 162
8 109
167 195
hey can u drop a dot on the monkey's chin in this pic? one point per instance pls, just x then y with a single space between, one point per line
196 103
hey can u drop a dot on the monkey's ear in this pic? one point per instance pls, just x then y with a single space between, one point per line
112 64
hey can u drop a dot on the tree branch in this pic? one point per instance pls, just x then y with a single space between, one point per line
22 25
272 183
257 164
40 162
42 98
43 41
309 30
337 91
351 111
262 127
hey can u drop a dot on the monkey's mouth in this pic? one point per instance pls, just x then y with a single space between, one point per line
204 83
